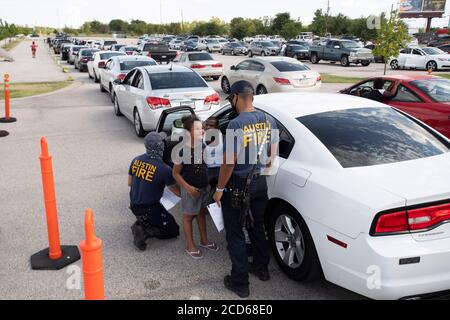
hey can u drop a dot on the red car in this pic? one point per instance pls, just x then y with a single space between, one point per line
424 97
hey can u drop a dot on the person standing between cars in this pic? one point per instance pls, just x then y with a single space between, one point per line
33 49
252 133
148 177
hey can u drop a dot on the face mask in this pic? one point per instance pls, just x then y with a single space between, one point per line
233 105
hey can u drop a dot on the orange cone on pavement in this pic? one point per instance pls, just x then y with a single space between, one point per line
55 257
7 118
91 253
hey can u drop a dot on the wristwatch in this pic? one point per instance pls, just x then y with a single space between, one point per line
220 190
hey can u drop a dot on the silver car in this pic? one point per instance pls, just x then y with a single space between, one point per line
202 62
263 48
273 74
146 91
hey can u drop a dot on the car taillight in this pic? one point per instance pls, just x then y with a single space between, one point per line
129 53
121 76
212 99
217 65
157 103
149 55
419 219
84 59
282 81
319 78
197 66
101 64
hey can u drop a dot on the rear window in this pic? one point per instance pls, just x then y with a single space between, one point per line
88 53
106 56
372 136
285 66
108 43
128 65
201 56
436 89
130 49
154 47
176 80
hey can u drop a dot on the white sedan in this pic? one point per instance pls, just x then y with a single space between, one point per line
117 67
98 62
146 91
360 194
421 58
272 74
202 62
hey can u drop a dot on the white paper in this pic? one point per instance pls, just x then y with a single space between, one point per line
169 199
217 216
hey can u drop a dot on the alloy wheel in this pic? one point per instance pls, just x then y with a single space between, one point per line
289 241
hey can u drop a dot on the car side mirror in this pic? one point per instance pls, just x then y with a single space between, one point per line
178 124
234 68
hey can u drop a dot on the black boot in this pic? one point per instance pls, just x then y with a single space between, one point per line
261 272
139 236
241 291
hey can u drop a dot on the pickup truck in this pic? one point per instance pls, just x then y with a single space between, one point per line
159 52
344 51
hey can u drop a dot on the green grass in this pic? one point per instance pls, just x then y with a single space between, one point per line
443 75
20 90
330 78
11 45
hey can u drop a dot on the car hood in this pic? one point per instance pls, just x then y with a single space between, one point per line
361 50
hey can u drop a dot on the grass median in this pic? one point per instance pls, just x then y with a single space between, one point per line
21 90
330 78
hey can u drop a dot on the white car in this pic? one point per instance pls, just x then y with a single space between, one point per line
202 62
360 193
175 44
212 45
272 74
421 58
98 62
117 67
146 91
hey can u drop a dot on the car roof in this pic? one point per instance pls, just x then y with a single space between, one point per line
167 68
411 77
131 58
300 104
276 58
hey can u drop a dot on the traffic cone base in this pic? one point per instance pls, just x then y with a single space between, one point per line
42 261
8 120
3 133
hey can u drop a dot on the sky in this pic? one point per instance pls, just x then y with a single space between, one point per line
60 13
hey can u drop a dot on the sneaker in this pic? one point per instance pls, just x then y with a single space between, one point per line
139 237
242 292
261 272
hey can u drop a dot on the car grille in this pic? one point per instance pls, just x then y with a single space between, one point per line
364 55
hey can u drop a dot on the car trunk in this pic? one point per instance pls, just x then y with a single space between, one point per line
192 97
208 65
419 182
301 79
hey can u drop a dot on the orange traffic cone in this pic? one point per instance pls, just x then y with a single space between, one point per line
91 253
7 118
55 257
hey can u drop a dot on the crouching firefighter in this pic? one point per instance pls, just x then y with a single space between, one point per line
148 176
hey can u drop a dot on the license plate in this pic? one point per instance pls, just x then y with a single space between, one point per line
163 56
188 103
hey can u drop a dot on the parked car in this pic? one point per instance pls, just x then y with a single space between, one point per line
147 91
377 59
58 43
83 57
445 48
175 44
129 50
345 51
65 48
193 45
73 52
202 62
263 48
212 45
421 58
297 51
234 48
159 52
272 74
359 189
106 45
424 97
117 67
98 62
116 47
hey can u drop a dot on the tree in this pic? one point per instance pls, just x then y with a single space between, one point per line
118 25
318 25
280 20
392 37
240 28
290 29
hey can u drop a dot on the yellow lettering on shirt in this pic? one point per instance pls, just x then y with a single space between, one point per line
143 170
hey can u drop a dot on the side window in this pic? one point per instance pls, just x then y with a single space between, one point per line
183 57
416 52
256 66
405 51
129 78
405 95
244 65
138 81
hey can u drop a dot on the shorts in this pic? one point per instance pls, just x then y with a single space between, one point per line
192 206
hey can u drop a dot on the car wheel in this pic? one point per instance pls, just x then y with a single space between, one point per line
394 65
365 63
225 84
90 76
344 61
215 78
263 54
233 53
96 79
102 89
432 65
314 58
138 124
261 90
250 54
292 245
117 107
111 93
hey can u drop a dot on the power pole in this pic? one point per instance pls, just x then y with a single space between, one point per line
182 21
326 17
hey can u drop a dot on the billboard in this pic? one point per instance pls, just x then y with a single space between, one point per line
422 8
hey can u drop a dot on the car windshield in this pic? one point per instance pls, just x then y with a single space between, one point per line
372 136
433 51
285 66
201 56
107 55
350 44
176 80
128 65
436 89
213 41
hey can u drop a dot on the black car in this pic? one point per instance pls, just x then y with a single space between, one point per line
85 55
300 43
297 51
445 47
58 44
378 59
234 48
65 48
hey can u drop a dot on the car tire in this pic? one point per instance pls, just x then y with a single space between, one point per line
394 64
233 53
263 54
365 63
225 84
314 58
432 65
215 78
117 107
138 129
303 262
111 93
102 89
250 54
90 76
261 90
344 61
96 79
